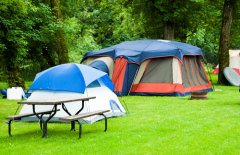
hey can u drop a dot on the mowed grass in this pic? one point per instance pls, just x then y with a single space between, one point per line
154 125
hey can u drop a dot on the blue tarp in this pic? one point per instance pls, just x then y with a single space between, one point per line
140 50
69 77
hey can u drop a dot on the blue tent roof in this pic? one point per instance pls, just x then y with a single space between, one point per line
68 77
140 50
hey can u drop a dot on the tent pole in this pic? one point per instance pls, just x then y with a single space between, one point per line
124 105
17 109
88 101
129 91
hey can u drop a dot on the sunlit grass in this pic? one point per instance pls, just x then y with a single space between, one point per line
154 125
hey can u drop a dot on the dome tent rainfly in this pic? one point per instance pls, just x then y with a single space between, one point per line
152 67
232 76
70 81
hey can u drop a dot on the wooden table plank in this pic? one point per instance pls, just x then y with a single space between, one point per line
83 115
58 102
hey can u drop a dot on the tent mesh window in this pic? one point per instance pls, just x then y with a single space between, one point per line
158 71
193 73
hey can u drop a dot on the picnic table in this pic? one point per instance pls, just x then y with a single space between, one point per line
54 110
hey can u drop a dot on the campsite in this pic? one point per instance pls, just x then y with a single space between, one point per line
154 124
119 77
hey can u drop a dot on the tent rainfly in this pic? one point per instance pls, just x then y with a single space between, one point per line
152 67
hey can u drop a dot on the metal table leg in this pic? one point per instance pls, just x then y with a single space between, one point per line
44 122
72 122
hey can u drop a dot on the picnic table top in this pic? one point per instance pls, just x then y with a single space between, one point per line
55 102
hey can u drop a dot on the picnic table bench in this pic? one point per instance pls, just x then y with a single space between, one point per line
20 116
84 115
71 118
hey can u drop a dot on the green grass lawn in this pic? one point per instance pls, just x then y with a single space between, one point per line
154 125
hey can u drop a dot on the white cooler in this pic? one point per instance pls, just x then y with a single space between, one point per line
15 93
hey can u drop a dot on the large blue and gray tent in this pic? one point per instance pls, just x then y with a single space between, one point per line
152 67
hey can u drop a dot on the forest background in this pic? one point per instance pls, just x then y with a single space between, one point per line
38 34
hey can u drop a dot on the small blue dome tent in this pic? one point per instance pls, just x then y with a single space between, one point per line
153 67
71 81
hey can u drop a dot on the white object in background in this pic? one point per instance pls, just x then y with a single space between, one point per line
15 93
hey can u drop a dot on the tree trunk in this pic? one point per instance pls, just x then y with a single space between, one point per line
13 76
169 30
223 52
12 68
47 56
61 43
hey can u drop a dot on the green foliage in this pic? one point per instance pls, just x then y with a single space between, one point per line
235 33
204 40
93 25
207 34
28 29
126 27
78 44
12 38
79 28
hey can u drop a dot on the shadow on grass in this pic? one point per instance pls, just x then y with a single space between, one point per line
53 134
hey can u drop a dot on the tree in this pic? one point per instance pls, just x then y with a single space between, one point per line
206 34
25 31
224 44
61 44
235 33
13 39
38 34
